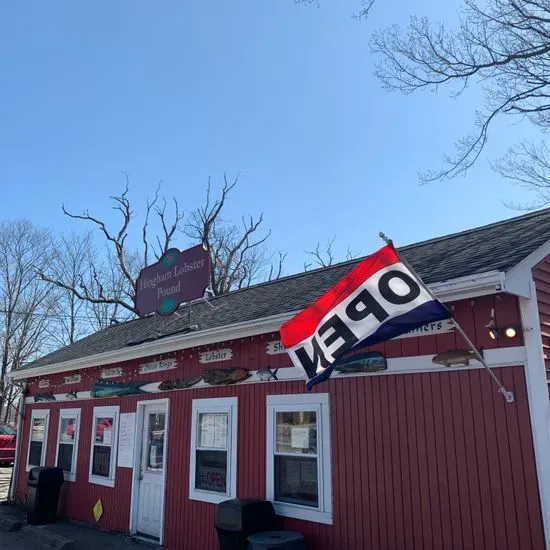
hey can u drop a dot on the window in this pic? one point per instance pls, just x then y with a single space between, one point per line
298 456
104 446
213 476
38 440
67 442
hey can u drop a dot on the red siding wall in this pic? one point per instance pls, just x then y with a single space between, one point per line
541 276
425 461
419 461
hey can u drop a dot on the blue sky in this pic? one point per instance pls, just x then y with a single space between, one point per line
283 94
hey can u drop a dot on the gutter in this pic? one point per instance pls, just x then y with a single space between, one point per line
461 288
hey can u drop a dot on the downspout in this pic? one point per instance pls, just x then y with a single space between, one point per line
15 471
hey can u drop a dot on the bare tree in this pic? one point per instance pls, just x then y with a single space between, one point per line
108 286
503 47
24 311
325 257
73 256
103 287
364 6
239 255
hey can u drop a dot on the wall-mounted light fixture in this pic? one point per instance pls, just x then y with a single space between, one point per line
510 331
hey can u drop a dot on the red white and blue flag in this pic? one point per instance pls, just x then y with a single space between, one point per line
379 299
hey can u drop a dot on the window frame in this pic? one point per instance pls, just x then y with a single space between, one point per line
318 402
69 413
227 405
39 413
114 412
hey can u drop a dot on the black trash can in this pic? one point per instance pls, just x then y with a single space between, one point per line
237 519
277 540
44 486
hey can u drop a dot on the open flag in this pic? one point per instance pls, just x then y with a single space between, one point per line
378 300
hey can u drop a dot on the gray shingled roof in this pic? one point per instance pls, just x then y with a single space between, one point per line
498 246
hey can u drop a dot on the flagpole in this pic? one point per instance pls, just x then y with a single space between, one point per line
508 395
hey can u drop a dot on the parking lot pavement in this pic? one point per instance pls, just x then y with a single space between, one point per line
5 476
12 541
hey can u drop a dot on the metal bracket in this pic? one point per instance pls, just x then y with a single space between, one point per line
508 395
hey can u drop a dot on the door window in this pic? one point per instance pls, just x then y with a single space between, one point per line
154 448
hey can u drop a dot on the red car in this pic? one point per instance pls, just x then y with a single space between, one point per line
7 444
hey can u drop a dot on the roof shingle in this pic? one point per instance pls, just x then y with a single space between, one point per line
498 246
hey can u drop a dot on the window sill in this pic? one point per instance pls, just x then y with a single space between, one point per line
302 512
106 482
69 477
214 498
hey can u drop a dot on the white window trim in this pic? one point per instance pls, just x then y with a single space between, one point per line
98 480
69 413
318 402
219 405
39 413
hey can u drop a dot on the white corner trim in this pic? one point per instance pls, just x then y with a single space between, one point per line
18 447
227 405
539 405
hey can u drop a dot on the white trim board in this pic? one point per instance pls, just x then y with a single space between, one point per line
455 289
539 406
499 357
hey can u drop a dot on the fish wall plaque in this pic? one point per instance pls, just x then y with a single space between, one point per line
368 361
267 374
116 389
218 377
183 383
44 397
454 357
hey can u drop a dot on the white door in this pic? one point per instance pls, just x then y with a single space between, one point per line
151 471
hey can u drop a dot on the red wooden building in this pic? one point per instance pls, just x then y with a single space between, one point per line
419 456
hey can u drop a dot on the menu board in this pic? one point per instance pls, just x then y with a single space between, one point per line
127 428
213 431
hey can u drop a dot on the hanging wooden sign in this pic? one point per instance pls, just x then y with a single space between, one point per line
275 347
156 366
113 372
439 327
216 355
73 379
